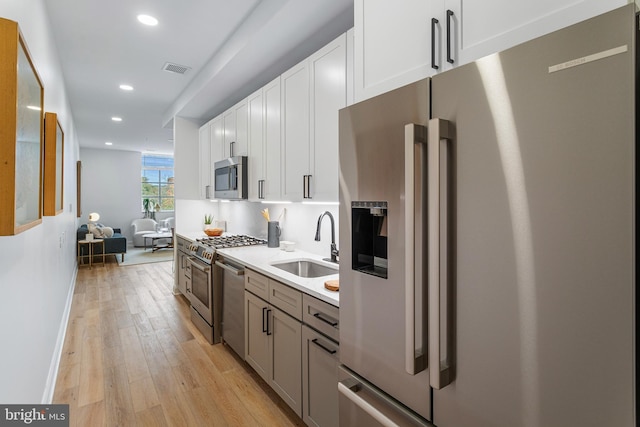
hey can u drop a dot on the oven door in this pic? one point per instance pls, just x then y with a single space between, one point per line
201 289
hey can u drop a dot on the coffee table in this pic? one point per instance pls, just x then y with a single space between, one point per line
154 240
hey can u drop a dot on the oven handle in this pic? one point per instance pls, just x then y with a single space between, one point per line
230 268
197 264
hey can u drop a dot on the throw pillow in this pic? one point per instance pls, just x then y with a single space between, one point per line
107 231
100 231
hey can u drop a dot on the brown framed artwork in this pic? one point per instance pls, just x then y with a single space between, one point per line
21 135
53 165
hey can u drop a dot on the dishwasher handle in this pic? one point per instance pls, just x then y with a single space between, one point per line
230 268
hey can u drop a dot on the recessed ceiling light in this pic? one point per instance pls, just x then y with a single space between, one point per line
148 20
108 143
126 87
33 107
116 119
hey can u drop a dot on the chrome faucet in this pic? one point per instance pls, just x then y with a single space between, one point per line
334 249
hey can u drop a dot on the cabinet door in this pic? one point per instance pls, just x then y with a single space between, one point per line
204 154
393 43
295 130
328 68
256 341
182 277
217 141
286 363
229 131
272 141
256 145
495 25
320 361
241 138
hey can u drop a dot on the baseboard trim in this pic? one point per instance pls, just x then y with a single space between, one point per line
50 386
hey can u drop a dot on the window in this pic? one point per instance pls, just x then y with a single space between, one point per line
157 182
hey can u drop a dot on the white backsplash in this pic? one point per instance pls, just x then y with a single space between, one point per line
297 221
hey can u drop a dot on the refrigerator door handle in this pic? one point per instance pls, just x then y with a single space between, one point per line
440 136
415 139
352 390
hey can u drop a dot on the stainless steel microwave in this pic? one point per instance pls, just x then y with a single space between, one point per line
230 178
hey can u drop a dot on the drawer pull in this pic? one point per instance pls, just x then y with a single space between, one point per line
264 328
330 322
315 341
268 332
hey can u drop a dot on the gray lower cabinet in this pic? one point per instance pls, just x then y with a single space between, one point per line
320 361
256 341
291 341
273 348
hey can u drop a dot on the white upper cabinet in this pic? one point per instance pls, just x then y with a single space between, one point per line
397 43
204 157
235 122
295 131
272 186
392 42
312 93
255 127
216 144
328 94
264 130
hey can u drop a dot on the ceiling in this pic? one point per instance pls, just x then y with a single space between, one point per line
232 47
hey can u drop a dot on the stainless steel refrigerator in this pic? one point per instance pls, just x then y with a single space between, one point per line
487 240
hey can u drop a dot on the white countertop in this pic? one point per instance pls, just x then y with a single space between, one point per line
260 258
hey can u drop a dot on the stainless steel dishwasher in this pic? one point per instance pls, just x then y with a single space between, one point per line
232 304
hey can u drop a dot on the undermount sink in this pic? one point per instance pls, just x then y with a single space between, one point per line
306 268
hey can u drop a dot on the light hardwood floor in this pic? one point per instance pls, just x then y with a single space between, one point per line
131 357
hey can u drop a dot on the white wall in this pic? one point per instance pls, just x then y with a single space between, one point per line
37 267
298 223
111 187
186 160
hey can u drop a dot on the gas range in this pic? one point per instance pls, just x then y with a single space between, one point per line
204 249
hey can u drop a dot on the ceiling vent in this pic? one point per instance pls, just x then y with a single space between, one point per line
175 68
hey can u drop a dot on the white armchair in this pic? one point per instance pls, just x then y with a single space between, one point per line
169 223
140 227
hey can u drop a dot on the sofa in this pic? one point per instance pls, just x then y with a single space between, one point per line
140 227
117 244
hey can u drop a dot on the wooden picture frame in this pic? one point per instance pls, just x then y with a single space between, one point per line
21 134
53 165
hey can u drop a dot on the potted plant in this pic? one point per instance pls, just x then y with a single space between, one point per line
146 205
208 219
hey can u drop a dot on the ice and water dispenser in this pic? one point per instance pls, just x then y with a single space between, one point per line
369 237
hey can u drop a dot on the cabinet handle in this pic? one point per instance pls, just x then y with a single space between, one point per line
319 317
268 311
207 192
306 186
434 22
261 189
449 15
328 350
264 328
231 145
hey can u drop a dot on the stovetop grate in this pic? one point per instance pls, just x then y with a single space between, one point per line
232 241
